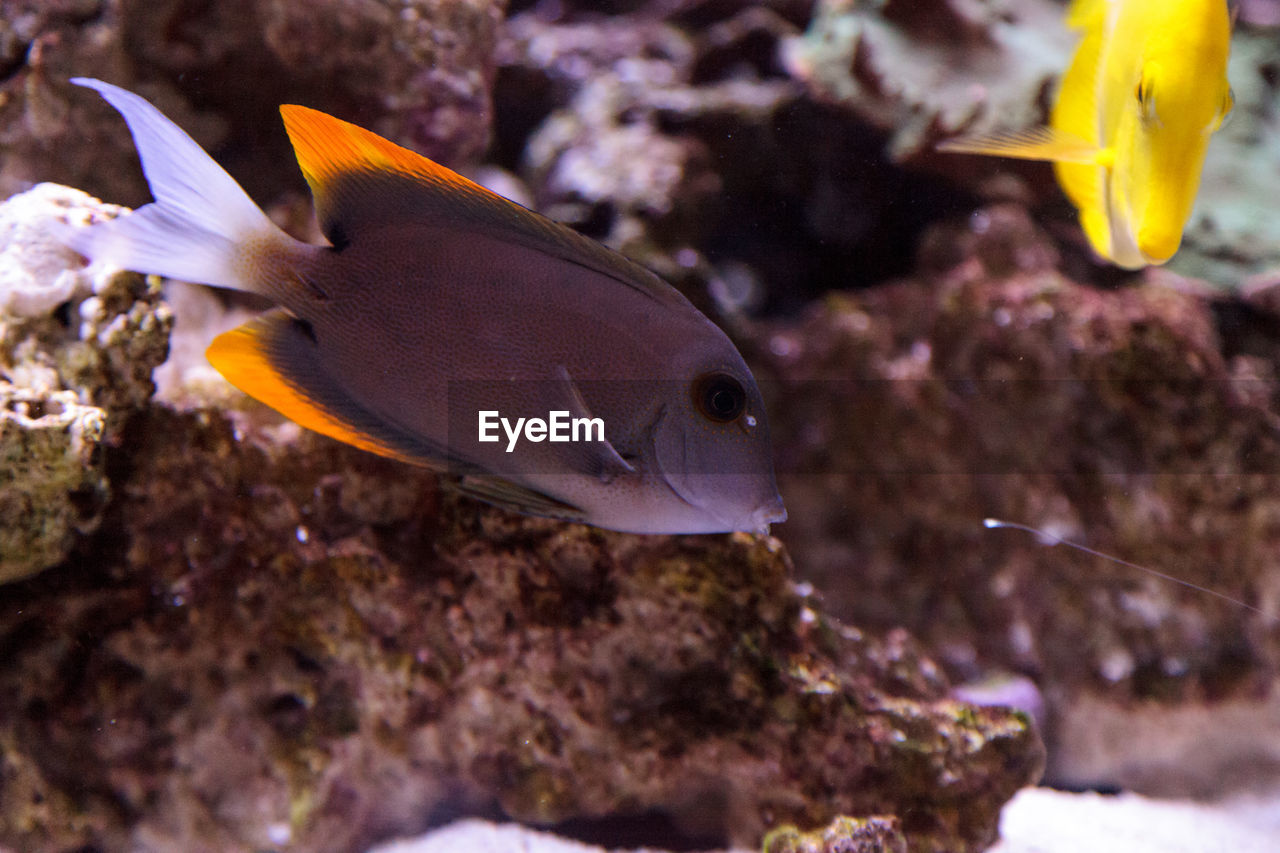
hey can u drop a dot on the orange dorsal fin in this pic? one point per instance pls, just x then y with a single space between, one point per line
326 146
328 149
360 180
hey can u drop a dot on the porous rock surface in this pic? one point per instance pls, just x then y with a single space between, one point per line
626 116
76 350
842 835
272 639
299 640
674 132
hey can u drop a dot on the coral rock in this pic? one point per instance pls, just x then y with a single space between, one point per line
919 69
311 638
76 351
995 386
417 72
51 485
843 835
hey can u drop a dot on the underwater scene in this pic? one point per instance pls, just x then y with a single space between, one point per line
567 426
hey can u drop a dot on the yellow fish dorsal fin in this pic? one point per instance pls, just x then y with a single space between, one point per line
255 358
1037 143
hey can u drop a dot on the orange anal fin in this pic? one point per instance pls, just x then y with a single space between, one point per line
268 359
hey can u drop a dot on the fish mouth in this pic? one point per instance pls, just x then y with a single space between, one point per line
772 512
1159 248
756 521
716 516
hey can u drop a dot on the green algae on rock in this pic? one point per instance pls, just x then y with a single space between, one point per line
51 487
842 835
76 351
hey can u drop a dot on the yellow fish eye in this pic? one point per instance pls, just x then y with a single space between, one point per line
1146 99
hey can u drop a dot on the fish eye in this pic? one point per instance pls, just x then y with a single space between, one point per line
1146 102
719 397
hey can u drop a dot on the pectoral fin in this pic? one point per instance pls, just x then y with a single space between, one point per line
598 458
1038 143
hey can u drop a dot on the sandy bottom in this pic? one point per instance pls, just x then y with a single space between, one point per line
1039 820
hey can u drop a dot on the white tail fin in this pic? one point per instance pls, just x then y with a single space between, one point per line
196 228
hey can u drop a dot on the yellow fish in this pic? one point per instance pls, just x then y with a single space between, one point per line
1128 133
447 326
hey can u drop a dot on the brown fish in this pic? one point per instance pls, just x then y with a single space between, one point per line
446 326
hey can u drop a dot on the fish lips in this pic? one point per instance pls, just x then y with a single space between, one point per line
741 494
